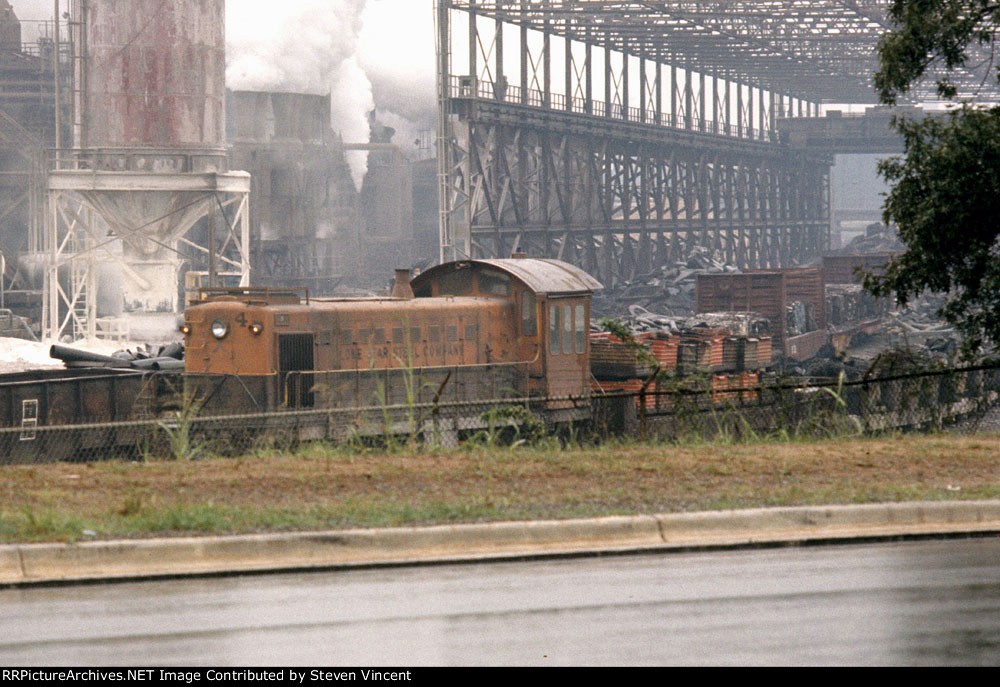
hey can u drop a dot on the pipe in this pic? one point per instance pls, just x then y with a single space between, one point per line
158 364
372 147
58 77
72 356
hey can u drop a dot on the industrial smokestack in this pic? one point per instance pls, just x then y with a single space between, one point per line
401 289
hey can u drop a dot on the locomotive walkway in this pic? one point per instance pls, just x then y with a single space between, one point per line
32 564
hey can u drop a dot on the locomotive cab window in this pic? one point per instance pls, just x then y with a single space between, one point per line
554 330
580 329
456 283
567 329
529 315
494 283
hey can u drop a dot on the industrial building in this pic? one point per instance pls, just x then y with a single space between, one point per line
151 179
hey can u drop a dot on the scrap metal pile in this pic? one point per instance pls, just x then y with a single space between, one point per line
168 357
733 347
850 303
664 301
876 239
669 290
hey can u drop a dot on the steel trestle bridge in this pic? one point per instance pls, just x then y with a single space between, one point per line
620 136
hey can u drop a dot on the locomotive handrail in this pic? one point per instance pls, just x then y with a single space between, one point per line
293 386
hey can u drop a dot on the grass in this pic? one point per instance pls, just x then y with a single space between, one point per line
323 487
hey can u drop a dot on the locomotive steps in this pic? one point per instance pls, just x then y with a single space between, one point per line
202 556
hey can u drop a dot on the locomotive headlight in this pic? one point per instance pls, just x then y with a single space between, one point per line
185 330
219 329
256 328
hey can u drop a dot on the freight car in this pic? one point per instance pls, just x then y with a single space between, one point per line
461 332
55 398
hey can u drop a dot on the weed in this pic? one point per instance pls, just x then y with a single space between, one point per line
183 445
48 525
133 505
512 425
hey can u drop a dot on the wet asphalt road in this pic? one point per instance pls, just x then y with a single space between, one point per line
918 603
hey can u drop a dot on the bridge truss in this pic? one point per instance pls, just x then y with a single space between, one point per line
621 135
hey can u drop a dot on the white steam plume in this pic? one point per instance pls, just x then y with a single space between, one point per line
396 50
366 53
303 46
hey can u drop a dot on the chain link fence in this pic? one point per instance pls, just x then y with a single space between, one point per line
711 408
965 400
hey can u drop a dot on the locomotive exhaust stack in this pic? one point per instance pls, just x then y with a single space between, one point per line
401 288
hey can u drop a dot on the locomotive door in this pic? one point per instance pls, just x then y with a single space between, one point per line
295 355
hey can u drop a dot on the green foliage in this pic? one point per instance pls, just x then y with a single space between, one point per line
642 354
182 443
945 200
513 424
927 33
945 191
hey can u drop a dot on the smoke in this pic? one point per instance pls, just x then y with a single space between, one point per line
303 46
367 54
396 50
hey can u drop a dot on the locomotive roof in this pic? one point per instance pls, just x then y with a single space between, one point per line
543 276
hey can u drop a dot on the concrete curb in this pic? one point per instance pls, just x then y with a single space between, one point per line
136 559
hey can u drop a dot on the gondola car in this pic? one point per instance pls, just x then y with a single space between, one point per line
462 331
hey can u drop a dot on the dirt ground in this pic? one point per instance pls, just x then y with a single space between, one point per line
322 488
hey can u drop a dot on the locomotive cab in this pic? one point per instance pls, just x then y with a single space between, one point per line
552 302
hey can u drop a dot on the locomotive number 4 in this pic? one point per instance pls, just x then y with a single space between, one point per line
241 319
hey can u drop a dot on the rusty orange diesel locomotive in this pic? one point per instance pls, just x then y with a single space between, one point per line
461 331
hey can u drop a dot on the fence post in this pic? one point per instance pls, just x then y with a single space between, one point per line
642 414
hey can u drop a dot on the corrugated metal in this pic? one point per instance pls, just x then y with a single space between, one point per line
155 73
